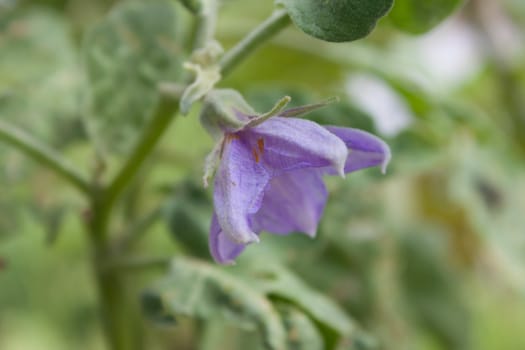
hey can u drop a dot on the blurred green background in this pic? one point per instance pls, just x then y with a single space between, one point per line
429 256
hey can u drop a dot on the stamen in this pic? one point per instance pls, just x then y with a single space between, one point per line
260 144
228 138
231 137
255 155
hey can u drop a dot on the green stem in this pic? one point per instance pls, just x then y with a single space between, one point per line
273 25
160 120
120 317
137 230
206 23
43 154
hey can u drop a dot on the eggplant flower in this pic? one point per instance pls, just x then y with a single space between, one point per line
270 175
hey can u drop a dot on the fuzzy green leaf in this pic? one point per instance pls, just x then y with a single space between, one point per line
278 282
302 332
415 16
39 76
203 291
336 20
127 55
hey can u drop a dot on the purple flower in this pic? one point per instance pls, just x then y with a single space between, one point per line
270 177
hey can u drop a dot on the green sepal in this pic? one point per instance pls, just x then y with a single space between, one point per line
275 111
211 163
302 110
220 111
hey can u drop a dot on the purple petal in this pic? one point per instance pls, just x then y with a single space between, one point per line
291 143
223 250
293 201
365 150
239 189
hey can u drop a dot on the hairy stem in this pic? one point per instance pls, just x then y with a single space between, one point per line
120 318
42 153
137 231
206 23
159 122
273 25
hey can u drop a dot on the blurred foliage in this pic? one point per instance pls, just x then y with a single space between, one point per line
418 17
131 52
43 96
197 290
429 256
187 216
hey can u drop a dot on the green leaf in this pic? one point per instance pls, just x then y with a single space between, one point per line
336 20
216 334
203 291
127 55
188 216
302 332
39 76
277 281
416 16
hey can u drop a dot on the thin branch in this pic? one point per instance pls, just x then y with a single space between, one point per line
42 153
158 124
206 23
267 29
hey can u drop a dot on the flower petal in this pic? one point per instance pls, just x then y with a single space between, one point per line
223 250
291 143
239 189
365 149
293 201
